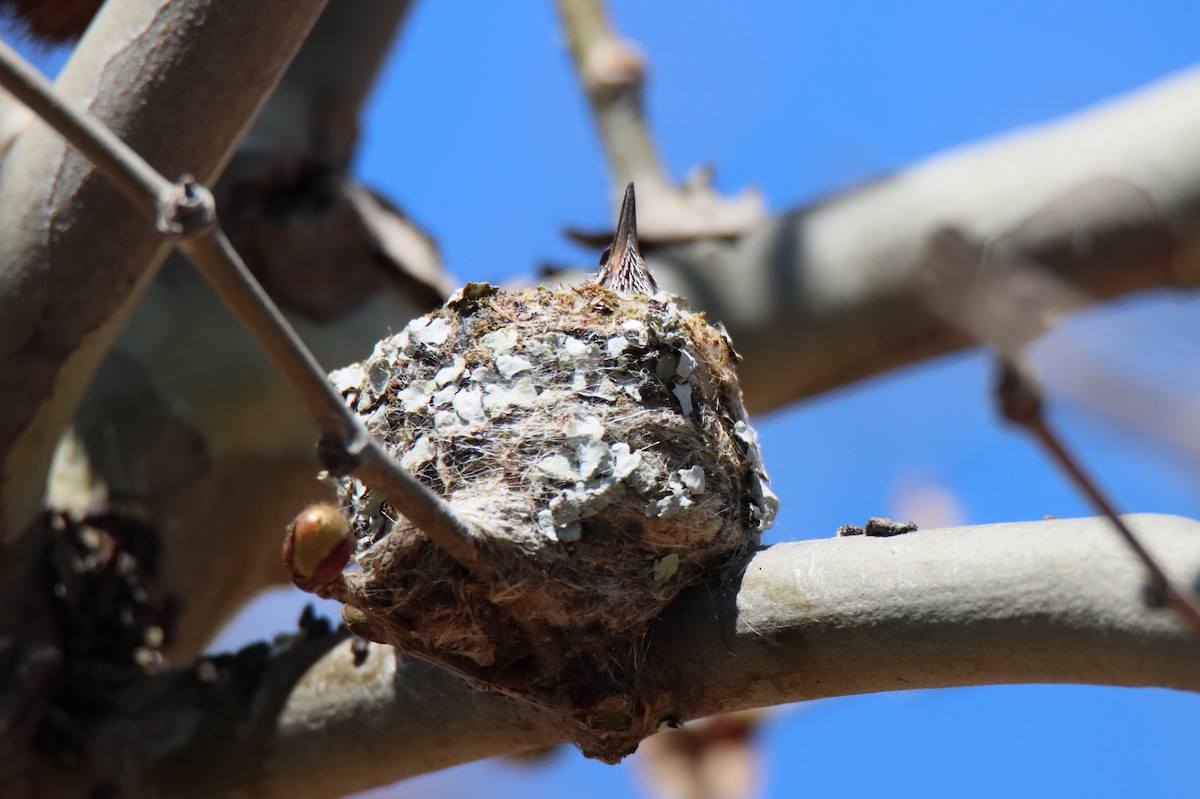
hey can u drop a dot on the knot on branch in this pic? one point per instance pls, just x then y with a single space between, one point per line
187 209
612 67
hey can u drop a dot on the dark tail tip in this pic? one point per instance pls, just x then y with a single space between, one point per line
627 221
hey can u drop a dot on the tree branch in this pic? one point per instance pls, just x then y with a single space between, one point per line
823 296
1055 601
179 82
253 465
612 72
216 440
187 211
14 118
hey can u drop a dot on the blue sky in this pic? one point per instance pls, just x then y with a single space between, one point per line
477 128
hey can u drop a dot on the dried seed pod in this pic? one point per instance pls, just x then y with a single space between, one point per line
598 440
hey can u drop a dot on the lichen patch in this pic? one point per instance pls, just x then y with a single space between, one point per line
599 443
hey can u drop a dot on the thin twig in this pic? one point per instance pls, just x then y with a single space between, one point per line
220 264
185 211
139 182
961 291
1021 403
612 72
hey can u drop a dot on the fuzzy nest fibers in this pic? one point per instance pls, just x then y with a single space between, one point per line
596 438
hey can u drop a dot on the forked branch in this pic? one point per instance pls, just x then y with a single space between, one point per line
1005 304
74 256
186 212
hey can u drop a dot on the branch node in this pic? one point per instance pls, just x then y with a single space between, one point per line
340 456
613 66
186 209
1018 395
612 71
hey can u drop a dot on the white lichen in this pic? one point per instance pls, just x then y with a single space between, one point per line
592 439
443 396
509 365
422 452
558 467
349 378
416 396
468 403
683 393
665 567
589 427
499 341
451 373
432 333
616 345
682 487
686 365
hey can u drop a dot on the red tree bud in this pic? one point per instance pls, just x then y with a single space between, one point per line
318 544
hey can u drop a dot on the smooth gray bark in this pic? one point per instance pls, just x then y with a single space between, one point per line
820 297
179 82
1035 602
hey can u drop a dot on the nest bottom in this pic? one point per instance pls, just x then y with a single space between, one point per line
547 604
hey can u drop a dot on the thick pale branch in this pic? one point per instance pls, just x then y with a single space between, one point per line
14 118
209 250
330 97
823 296
1058 601
137 181
179 82
240 456
1039 602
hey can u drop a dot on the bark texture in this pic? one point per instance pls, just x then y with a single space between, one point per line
1052 602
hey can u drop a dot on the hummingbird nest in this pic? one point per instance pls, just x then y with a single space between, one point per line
596 439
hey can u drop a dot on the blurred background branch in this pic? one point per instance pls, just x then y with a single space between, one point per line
824 296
